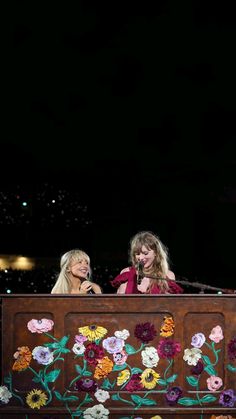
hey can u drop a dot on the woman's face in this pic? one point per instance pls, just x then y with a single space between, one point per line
146 257
79 268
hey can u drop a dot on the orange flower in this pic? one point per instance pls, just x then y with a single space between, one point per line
222 417
103 368
167 328
23 357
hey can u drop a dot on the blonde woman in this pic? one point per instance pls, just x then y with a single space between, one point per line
149 273
75 275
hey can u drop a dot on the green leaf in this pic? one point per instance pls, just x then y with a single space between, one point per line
51 345
172 378
192 381
187 401
210 370
106 385
208 398
87 373
140 401
64 341
119 367
136 371
115 397
78 369
52 376
206 360
70 399
58 395
36 379
231 368
129 349
162 382
7 380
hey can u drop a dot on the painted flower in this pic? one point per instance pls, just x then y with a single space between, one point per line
86 384
198 368
156 417
168 348
222 417
40 326
123 376
232 349
198 340
167 328
5 394
216 334
80 339
214 383
102 395
113 345
103 368
93 332
93 353
149 378
123 334
192 356
120 358
42 355
173 394
134 384
96 412
36 399
78 348
145 332
227 398
150 357
23 358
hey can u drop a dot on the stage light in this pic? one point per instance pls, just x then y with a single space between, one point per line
8 291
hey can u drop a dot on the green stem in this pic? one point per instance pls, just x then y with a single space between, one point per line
124 400
212 348
50 336
170 363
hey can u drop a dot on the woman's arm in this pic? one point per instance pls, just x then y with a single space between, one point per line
122 288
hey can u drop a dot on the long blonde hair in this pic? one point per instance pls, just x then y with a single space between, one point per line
62 285
160 266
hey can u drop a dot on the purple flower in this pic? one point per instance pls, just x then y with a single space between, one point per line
173 394
42 355
232 349
198 340
86 384
145 332
227 398
197 369
168 348
113 345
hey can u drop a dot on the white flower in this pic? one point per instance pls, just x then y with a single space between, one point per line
122 334
78 348
96 412
5 394
192 356
150 357
102 395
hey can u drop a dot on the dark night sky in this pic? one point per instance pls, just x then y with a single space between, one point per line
140 96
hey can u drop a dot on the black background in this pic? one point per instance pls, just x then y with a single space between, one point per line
133 106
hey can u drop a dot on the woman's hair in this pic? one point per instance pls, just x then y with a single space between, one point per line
62 285
160 266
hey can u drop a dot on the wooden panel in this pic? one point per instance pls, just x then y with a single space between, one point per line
192 315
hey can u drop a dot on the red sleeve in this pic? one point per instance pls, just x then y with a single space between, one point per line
122 278
175 288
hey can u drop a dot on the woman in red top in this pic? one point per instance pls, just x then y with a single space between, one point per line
149 273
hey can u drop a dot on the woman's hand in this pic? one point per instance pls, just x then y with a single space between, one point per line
86 286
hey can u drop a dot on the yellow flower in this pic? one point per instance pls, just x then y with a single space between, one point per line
149 378
93 332
123 377
167 328
36 399
156 417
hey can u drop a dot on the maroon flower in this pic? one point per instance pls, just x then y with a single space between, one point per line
145 332
86 384
232 349
227 398
134 384
93 352
168 348
197 369
173 394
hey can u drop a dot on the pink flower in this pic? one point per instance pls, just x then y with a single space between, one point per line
214 383
40 326
80 338
120 357
216 334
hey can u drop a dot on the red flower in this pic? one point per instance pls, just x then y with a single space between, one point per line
145 332
134 384
168 348
93 352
